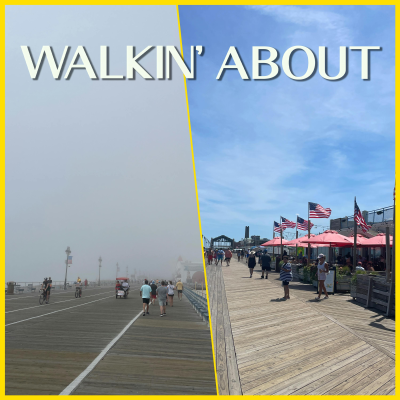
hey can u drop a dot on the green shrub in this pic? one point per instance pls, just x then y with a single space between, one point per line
343 270
354 277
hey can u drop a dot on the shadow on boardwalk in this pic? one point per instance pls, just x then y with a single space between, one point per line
300 346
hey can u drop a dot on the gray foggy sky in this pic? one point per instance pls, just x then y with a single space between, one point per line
104 167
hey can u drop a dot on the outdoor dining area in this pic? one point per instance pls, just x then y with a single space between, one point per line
361 266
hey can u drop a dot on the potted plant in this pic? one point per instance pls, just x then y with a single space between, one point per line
353 283
343 276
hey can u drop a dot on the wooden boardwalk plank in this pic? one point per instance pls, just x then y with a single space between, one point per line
300 346
169 355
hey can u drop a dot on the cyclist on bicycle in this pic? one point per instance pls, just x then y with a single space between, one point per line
79 284
49 282
46 291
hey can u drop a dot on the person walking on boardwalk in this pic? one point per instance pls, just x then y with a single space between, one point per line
162 298
238 255
286 276
145 292
215 256
153 292
209 256
171 288
228 256
220 256
179 287
323 270
251 263
265 261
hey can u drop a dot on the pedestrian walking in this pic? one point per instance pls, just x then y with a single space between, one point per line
171 288
162 298
286 276
145 292
179 288
323 270
238 255
265 265
221 255
153 292
251 263
209 256
215 256
228 256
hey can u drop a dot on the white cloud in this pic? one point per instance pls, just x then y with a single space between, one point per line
335 25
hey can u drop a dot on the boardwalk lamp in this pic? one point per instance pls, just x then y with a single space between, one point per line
68 252
100 260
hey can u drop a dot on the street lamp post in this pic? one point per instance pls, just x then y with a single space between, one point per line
100 260
68 251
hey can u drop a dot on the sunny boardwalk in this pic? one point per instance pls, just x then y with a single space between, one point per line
227 371
300 346
48 346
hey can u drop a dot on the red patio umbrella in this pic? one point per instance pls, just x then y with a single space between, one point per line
300 242
378 241
361 240
330 238
276 241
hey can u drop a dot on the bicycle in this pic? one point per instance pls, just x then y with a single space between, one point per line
42 296
78 292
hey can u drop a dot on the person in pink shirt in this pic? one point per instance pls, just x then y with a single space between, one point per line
228 256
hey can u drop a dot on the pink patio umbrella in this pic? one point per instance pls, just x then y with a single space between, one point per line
300 242
377 241
276 241
361 240
330 238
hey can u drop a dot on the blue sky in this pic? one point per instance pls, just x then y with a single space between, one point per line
266 148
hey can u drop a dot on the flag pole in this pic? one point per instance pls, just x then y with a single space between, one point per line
297 235
281 240
308 223
355 238
273 236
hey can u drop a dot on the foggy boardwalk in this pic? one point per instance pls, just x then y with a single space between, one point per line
299 346
49 346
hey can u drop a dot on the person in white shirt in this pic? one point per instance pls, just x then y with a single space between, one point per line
125 286
170 289
323 270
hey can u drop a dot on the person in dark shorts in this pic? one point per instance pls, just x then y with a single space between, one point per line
286 276
153 292
145 292
251 263
162 298
228 256
179 287
265 261
171 289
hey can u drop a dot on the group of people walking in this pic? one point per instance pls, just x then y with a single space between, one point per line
218 255
264 260
164 292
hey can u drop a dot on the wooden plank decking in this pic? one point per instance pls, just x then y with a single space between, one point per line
168 355
300 346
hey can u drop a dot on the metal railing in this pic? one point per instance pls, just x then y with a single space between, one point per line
199 302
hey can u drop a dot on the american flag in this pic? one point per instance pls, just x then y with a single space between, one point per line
303 224
288 224
360 219
69 259
277 227
317 211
